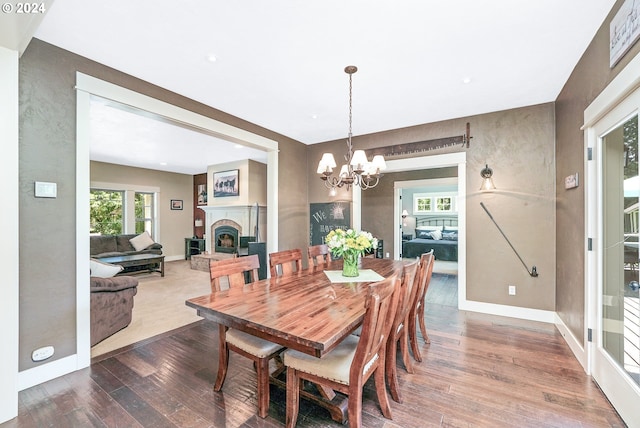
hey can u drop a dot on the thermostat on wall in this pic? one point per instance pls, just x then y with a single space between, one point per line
571 181
46 190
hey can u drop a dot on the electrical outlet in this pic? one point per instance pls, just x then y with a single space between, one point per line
512 290
42 354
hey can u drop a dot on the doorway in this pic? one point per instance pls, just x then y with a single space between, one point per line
87 87
426 206
458 160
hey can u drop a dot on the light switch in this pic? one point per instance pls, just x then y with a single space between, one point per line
571 181
46 190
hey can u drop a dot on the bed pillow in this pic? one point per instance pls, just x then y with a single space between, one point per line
102 269
436 235
423 234
450 235
142 241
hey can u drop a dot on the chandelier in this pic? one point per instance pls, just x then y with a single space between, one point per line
357 171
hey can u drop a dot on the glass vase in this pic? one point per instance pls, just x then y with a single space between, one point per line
350 265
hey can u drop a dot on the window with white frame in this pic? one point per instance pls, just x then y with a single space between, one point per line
434 203
144 212
115 210
106 211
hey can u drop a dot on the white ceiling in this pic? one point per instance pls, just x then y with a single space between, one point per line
280 63
128 136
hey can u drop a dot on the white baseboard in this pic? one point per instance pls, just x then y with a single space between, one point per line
508 311
576 347
46 372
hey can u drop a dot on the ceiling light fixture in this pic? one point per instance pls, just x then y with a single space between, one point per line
358 171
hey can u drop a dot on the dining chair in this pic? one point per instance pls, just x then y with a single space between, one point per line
319 255
351 363
416 314
285 262
399 333
234 271
258 350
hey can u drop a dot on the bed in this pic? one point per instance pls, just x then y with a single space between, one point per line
439 234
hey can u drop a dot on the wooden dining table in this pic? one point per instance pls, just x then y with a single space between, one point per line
304 311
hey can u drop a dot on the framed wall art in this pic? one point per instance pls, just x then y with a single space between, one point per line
202 194
226 183
176 204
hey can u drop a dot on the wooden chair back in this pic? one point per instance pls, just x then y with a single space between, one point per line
319 255
426 270
285 262
399 333
380 305
234 270
408 293
416 314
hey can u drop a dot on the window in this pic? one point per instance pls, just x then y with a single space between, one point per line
429 203
144 210
106 212
125 210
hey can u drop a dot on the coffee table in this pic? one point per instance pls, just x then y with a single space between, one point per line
137 260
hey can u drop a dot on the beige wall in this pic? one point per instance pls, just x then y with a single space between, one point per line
47 152
590 76
519 145
175 225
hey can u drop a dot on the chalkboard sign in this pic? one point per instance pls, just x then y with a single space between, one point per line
325 217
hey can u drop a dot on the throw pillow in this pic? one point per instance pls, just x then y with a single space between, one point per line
102 269
436 235
450 236
141 241
423 234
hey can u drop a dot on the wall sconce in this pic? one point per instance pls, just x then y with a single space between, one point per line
487 181
199 222
404 218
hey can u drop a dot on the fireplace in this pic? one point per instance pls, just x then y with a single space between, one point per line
225 239
240 218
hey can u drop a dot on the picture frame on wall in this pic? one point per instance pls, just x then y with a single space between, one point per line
176 204
226 183
202 194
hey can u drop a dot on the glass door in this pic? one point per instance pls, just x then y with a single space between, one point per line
616 337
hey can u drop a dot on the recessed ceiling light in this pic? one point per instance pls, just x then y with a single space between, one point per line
466 80
163 163
211 58
314 116
238 146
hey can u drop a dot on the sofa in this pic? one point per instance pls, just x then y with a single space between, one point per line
101 246
118 245
111 302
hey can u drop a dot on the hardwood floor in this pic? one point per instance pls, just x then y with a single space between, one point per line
478 371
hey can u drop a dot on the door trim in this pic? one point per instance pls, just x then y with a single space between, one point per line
606 111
